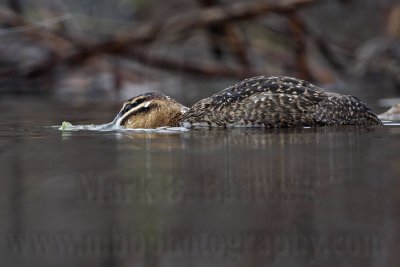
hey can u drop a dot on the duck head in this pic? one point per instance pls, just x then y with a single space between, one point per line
150 110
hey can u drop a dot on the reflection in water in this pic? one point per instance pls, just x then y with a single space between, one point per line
246 165
237 197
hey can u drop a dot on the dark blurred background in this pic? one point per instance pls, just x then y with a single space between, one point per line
106 51
324 196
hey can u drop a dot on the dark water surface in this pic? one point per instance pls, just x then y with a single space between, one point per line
304 197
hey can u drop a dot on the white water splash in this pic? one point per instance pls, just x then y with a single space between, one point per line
67 126
112 126
391 123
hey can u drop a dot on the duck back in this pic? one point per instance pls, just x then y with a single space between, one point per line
278 102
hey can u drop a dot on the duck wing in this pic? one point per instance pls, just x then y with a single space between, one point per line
260 101
278 102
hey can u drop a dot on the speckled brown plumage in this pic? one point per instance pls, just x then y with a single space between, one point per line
256 102
278 102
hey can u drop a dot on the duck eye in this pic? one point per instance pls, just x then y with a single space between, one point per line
127 108
132 105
